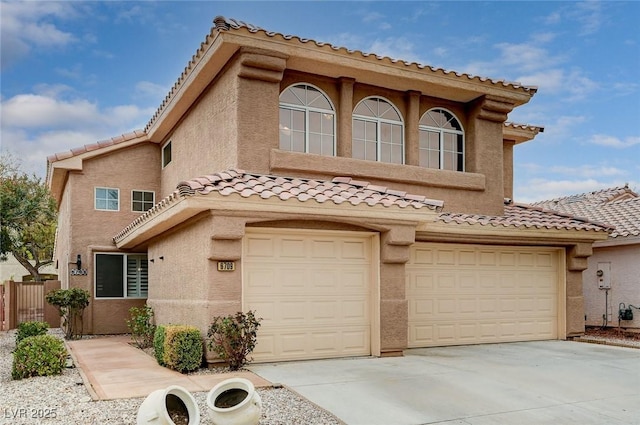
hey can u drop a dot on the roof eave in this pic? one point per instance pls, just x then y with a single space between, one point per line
186 207
59 165
507 234
520 133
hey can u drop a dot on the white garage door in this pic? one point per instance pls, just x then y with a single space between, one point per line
469 294
312 290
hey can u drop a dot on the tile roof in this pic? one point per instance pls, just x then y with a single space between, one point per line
95 146
619 207
339 190
226 24
525 216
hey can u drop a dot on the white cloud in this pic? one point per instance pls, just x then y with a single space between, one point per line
395 48
36 125
147 89
24 26
540 189
614 142
574 85
588 171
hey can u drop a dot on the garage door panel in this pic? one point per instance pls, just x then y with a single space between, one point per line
489 294
314 289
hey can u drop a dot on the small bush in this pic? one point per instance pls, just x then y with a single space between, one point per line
27 329
41 355
158 344
141 326
70 304
182 348
233 338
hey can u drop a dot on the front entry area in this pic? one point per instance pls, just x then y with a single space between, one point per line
471 294
313 289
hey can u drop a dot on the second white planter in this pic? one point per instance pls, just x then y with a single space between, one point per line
234 401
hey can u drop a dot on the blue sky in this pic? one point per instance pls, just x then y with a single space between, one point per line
77 72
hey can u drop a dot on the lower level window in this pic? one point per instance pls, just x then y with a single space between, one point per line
121 276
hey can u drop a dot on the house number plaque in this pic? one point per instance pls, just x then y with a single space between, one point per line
226 266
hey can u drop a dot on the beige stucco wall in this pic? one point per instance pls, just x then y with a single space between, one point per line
85 231
625 285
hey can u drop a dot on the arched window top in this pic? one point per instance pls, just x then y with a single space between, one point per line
377 107
377 131
305 95
441 118
307 120
441 144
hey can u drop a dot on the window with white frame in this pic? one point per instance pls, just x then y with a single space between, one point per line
441 141
378 131
166 154
142 200
121 275
307 121
107 199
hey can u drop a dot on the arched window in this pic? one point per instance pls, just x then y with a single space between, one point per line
307 121
441 141
378 131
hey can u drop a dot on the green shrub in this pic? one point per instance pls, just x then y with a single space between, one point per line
141 326
70 304
182 348
158 344
233 338
41 355
27 329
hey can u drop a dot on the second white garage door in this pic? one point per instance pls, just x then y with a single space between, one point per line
470 294
313 291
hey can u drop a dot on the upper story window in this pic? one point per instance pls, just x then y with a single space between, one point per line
307 121
166 154
378 131
441 141
107 199
142 200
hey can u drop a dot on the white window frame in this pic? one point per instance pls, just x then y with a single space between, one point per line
95 198
164 146
153 201
379 121
306 110
442 132
124 256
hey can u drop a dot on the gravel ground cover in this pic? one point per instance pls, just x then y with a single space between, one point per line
64 399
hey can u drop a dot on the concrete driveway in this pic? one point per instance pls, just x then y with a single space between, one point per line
547 382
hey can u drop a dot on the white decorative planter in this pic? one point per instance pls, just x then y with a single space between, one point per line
158 407
234 401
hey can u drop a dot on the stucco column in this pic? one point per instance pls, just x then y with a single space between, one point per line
345 109
507 168
411 131
257 102
394 308
484 149
577 262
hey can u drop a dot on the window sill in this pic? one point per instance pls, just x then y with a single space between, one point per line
329 167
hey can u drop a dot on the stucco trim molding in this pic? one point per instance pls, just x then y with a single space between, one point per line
284 161
178 210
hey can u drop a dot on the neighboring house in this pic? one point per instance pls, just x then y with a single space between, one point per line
612 280
11 269
356 203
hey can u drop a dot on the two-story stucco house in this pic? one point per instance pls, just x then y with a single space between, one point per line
355 202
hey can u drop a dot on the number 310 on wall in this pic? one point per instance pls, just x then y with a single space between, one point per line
78 272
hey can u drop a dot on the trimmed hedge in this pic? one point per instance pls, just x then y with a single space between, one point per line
40 355
27 329
158 344
183 348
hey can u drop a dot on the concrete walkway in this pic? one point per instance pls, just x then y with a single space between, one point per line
530 383
112 368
